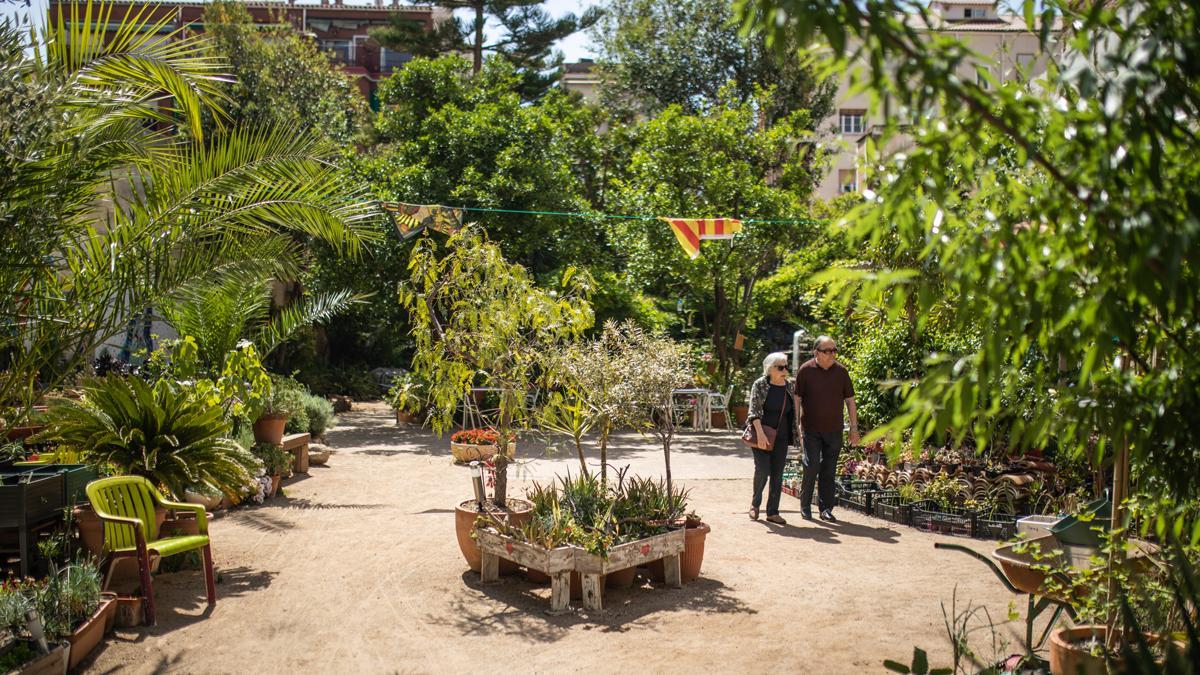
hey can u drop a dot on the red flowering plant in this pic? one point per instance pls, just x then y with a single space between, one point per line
487 436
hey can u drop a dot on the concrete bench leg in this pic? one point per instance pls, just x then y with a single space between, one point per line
560 593
672 571
593 588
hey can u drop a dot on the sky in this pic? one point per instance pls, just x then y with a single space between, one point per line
573 48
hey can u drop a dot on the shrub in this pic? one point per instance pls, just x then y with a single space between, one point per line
275 460
320 415
160 432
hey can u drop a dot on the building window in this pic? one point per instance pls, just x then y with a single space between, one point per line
340 49
852 121
974 13
390 58
847 181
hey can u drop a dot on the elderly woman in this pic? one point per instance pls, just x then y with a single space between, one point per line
772 404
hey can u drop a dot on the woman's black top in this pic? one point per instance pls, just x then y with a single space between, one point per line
777 399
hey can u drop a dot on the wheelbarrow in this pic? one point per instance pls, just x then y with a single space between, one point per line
1016 571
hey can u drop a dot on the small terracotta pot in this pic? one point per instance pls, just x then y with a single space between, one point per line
1069 657
465 453
269 429
405 417
130 611
693 549
718 419
519 511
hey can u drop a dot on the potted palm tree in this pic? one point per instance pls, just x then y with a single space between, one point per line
126 426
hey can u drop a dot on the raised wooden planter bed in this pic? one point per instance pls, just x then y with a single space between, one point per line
558 563
28 503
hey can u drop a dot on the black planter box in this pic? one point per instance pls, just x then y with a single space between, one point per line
931 517
26 497
856 494
75 478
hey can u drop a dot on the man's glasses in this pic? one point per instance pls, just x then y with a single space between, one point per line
782 366
831 350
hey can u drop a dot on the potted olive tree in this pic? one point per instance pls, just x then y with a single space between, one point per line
474 313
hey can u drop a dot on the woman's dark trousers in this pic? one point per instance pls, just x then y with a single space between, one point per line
770 465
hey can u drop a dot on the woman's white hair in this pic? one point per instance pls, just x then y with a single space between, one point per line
772 359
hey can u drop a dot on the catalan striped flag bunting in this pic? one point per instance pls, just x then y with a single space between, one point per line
691 231
412 218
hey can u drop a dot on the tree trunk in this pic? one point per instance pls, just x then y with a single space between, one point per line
579 451
477 48
604 431
501 495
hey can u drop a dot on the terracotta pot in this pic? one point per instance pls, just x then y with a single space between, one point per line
182 525
621 578
519 511
1069 656
129 611
89 633
91 530
110 619
468 452
18 433
269 429
404 417
693 549
718 419
740 413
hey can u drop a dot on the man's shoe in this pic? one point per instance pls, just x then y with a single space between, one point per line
828 515
807 515
778 520
753 513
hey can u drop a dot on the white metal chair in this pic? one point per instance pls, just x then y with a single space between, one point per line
719 402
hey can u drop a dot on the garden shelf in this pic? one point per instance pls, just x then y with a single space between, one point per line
558 563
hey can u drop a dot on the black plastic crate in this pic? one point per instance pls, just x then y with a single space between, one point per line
890 507
1002 526
856 494
932 517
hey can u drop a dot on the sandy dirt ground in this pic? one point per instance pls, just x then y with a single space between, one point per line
356 570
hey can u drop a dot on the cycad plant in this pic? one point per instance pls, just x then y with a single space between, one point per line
112 201
158 431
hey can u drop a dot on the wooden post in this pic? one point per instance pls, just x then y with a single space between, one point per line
560 593
592 589
489 570
672 571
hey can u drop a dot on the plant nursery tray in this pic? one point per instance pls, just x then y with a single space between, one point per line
889 507
995 526
931 517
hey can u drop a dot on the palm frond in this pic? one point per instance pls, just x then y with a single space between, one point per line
313 309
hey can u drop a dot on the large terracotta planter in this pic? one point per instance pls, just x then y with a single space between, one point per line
91 530
469 452
89 633
519 511
1069 654
740 413
405 417
269 429
693 549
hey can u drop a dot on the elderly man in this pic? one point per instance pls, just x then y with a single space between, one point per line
823 386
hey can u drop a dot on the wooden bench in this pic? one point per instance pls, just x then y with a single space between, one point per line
297 444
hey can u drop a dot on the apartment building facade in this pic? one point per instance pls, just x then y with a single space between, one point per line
339 28
991 31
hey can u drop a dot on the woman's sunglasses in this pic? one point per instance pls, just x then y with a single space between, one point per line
782 367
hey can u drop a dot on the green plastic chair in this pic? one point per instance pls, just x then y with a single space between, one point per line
125 504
